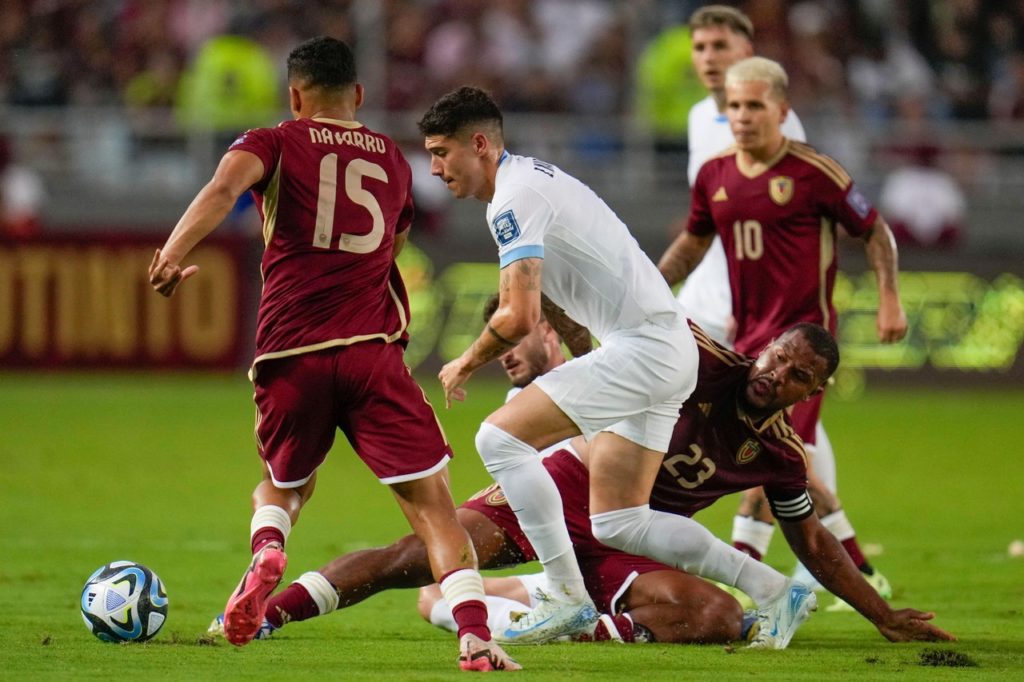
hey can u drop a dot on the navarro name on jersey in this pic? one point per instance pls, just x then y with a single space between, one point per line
364 141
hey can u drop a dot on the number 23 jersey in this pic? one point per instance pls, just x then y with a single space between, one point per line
778 229
332 197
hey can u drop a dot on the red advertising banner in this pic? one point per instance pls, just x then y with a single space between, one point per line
71 301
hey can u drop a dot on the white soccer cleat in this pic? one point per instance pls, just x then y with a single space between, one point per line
877 581
550 619
780 619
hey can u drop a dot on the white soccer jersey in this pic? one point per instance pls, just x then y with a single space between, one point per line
593 267
705 294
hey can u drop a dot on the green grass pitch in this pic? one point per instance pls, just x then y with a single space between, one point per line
158 469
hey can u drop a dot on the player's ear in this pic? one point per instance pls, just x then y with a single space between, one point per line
294 100
480 143
360 94
784 109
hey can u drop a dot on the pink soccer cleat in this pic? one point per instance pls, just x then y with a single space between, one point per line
243 615
479 656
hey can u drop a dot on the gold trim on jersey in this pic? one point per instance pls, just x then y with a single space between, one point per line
338 122
270 199
780 189
751 170
826 254
348 341
727 356
826 164
785 434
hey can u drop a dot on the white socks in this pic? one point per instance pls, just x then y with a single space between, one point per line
320 590
837 524
685 544
532 494
751 532
499 613
823 458
270 516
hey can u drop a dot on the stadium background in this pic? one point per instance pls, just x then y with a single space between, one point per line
114 113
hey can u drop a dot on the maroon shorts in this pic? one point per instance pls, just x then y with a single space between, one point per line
607 572
366 391
805 415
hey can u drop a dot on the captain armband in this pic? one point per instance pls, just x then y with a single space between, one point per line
794 509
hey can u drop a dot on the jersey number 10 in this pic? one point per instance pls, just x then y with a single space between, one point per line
747 239
328 196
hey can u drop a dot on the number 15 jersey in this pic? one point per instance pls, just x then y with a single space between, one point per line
332 197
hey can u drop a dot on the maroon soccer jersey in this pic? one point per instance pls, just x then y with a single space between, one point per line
717 450
332 197
778 229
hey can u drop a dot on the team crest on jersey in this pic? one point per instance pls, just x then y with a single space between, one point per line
781 189
748 451
506 229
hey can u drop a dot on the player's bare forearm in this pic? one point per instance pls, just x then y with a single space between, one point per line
576 336
683 256
829 562
883 258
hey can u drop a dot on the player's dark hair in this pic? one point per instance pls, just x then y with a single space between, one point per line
458 109
490 305
722 15
822 342
323 62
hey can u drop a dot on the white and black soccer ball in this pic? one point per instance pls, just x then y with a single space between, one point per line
124 602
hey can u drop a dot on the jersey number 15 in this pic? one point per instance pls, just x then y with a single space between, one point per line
328 196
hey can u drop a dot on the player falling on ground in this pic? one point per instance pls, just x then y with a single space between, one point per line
721 36
775 203
555 235
336 201
732 433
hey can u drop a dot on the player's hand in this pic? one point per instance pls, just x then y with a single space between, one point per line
892 322
911 625
165 276
453 375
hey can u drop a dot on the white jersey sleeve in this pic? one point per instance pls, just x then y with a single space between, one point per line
593 267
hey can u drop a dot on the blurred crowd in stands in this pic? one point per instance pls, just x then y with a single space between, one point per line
219 64
964 58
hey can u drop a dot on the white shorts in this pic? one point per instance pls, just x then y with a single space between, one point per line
633 385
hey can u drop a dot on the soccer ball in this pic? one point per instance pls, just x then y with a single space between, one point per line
124 602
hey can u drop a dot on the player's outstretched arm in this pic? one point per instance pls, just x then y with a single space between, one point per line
237 172
882 255
826 559
911 625
518 313
683 255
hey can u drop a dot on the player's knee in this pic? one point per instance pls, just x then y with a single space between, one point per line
499 450
428 596
622 529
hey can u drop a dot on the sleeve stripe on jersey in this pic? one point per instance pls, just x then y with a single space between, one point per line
787 436
519 253
710 345
826 165
797 509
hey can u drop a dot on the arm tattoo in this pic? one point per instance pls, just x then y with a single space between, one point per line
576 336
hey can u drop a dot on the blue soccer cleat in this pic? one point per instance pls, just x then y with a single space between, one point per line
550 619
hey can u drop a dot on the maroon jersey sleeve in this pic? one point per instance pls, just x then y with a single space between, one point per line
263 143
333 196
839 197
700 221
